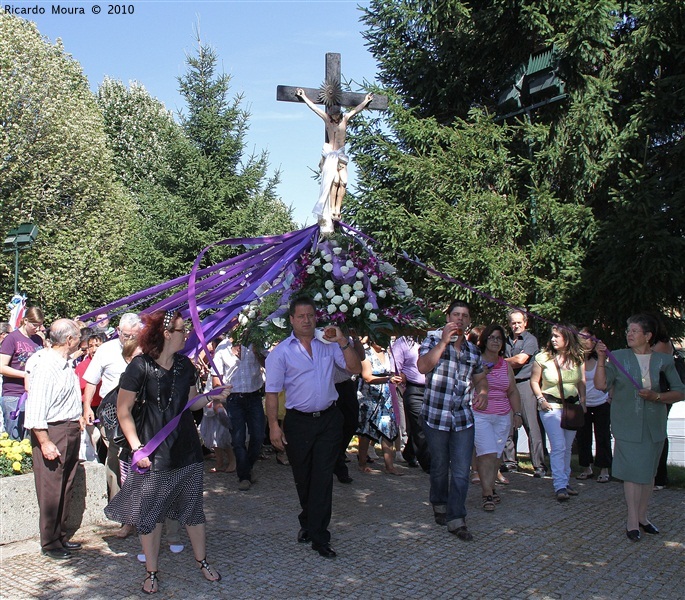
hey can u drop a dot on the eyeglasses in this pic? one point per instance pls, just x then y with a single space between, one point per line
35 324
128 336
185 330
634 331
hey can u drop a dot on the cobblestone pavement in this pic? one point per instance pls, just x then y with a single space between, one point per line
388 547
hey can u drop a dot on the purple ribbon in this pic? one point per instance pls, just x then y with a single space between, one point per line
22 400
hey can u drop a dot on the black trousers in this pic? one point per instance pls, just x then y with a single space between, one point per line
55 482
312 449
599 418
349 407
416 446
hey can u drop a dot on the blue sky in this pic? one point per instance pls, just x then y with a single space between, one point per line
260 44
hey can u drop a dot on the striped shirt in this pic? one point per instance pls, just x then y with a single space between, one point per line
449 386
498 384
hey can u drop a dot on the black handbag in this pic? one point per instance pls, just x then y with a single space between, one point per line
107 413
572 413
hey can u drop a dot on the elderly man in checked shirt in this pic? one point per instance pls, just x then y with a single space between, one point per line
455 382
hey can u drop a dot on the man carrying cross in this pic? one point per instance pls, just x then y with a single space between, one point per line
334 161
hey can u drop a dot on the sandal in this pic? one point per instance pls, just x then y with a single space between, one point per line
496 497
205 565
586 475
154 583
603 478
488 503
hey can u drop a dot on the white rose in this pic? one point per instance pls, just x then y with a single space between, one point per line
346 297
346 289
344 270
373 279
349 263
360 275
356 312
331 308
408 293
358 285
242 319
328 284
343 308
327 257
318 297
337 300
368 306
251 315
328 267
359 294
316 262
388 268
382 293
311 269
352 299
330 294
337 250
373 317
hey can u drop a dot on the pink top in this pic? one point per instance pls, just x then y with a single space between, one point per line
498 384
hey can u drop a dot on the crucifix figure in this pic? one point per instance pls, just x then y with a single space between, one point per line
333 164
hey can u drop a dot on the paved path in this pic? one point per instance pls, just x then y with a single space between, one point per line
388 547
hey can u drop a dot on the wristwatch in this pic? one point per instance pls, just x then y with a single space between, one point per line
518 414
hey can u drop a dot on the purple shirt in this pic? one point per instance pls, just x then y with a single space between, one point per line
19 348
405 353
307 380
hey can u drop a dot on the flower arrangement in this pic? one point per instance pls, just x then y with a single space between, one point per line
351 286
15 457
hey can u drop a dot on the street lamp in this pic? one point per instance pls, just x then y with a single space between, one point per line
18 239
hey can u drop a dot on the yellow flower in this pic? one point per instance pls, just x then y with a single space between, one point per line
5 443
16 466
4 435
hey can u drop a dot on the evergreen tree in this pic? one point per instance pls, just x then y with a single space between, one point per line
592 229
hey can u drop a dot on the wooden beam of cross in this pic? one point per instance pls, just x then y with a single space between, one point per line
330 93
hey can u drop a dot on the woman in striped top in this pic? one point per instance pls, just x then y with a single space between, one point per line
492 424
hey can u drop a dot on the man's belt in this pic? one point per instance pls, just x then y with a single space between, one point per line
245 394
316 414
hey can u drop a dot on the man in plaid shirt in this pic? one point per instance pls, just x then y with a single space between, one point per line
455 382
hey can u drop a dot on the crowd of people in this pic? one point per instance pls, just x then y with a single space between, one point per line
451 403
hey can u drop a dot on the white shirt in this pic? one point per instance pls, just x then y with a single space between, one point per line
244 373
106 366
54 392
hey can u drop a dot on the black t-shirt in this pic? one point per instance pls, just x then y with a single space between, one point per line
182 446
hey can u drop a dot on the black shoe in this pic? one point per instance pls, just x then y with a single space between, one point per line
412 462
71 545
649 528
463 533
540 472
324 550
302 536
633 535
57 553
345 479
509 468
570 491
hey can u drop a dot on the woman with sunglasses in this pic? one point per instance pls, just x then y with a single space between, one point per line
16 348
597 417
173 483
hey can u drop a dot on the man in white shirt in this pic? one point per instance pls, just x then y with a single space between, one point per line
53 414
241 367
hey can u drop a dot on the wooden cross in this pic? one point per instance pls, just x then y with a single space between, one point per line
286 93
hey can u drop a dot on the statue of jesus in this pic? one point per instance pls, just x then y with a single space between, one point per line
333 164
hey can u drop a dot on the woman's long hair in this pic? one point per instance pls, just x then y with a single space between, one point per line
573 351
151 338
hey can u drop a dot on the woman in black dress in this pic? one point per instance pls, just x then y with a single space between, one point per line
172 487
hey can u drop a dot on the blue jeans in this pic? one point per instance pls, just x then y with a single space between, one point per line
560 442
246 413
14 427
450 453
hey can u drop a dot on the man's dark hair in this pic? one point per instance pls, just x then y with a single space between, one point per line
300 301
457 304
98 336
